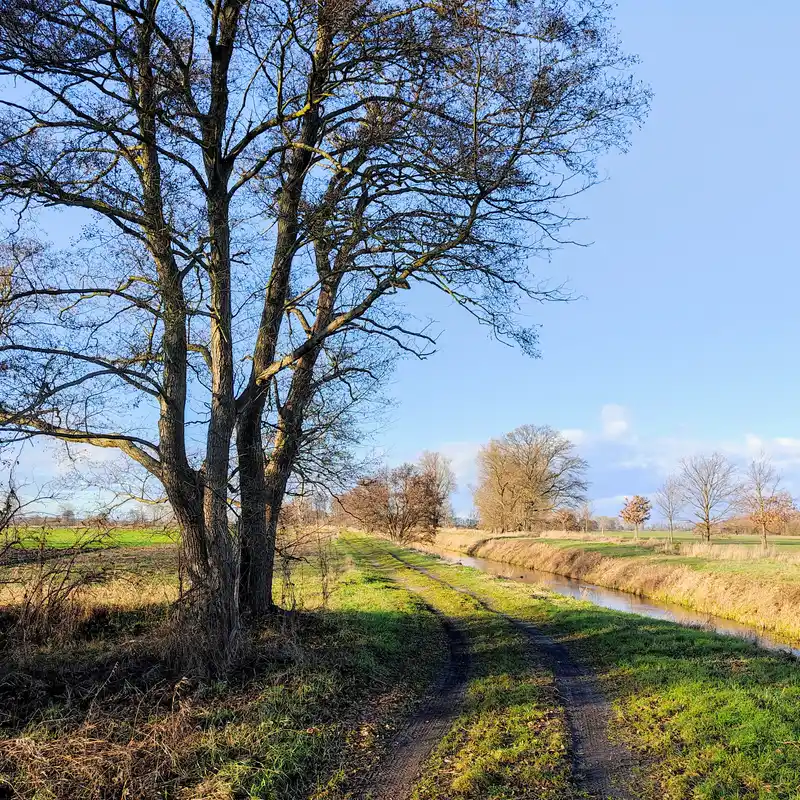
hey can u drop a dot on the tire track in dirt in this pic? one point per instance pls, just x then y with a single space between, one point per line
395 774
601 769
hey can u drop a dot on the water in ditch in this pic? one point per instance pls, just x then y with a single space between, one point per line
622 601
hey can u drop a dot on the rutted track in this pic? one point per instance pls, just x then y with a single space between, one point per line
394 776
601 768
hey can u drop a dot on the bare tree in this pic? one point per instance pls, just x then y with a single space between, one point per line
399 503
606 523
586 516
255 180
440 481
766 504
670 499
709 489
495 496
636 512
525 475
565 517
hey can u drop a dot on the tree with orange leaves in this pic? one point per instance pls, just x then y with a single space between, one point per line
767 505
636 512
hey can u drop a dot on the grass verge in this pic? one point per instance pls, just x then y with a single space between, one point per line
510 740
100 715
711 717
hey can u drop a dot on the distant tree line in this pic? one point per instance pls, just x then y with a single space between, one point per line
532 479
709 492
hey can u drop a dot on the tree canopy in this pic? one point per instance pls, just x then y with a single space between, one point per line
256 185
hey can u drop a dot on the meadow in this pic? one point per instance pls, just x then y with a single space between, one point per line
64 537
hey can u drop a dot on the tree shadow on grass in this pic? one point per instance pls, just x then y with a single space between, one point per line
103 716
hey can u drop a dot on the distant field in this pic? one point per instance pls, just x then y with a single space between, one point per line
690 536
122 537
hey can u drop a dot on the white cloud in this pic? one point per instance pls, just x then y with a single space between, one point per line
462 456
614 419
753 444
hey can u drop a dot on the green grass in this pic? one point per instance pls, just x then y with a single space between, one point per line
319 696
314 697
510 740
713 718
121 537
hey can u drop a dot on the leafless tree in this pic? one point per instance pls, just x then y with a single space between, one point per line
670 499
255 179
586 516
566 519
762 499
400 503
9 509
440 480
606 523
525 475
709 489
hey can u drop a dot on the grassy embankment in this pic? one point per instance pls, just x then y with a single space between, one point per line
731 580
711 717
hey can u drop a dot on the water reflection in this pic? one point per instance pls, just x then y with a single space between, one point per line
622 601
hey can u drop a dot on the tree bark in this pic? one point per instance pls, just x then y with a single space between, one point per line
198 498
255 578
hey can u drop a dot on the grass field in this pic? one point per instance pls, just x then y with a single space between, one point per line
711 717
691 536
123 537
99 713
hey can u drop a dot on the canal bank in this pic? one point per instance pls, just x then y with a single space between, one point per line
758 600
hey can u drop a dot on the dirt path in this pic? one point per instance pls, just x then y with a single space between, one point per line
601 769
394 776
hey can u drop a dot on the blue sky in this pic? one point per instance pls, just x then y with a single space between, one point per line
688 332
686 337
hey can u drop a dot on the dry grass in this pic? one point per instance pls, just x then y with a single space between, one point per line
102 714
767 597
454 539
725 552
770 604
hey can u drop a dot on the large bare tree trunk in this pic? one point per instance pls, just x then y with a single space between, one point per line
255 579
263 482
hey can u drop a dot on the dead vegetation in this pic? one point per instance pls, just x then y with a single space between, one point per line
98 712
